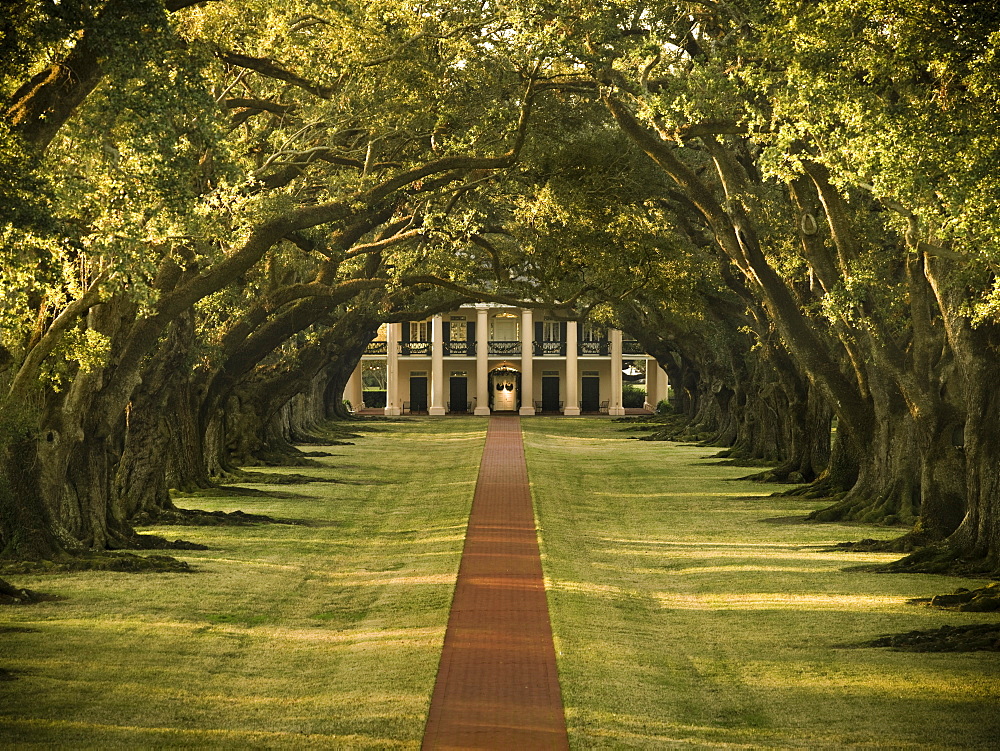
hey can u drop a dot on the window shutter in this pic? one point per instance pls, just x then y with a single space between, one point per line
406 331
538 331
562 331
446 331
470 331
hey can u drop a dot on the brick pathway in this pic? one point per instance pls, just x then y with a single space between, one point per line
497 686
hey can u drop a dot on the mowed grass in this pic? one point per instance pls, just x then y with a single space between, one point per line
325 634
691 610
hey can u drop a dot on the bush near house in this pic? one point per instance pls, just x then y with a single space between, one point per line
633 396
374 397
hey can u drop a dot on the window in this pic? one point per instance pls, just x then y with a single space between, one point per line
457 330
505 328
551 331
591 333
419 331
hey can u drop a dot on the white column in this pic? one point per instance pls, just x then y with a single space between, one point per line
393 405
615 403
527 358
656 383
482 361
572 406
354 392
437 366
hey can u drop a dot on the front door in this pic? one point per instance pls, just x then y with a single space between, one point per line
459 394
590 394
550 393
504 393
418 393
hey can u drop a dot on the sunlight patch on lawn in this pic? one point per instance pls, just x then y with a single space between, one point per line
676 494
779 600
911 684
213 735
707 551
387 578
743 569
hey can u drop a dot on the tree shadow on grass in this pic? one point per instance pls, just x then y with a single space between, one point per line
978 637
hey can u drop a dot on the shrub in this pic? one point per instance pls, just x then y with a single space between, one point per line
632 396
374 397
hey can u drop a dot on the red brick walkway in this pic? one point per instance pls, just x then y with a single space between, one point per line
497 686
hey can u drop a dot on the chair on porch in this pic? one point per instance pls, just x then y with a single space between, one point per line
604 407
406 408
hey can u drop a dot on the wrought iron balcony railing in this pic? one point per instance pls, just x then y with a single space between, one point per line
599 349
632 347
414 348
460 349
505 348
550 348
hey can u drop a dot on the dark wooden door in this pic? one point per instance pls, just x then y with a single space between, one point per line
459 394
550 393
418 393
590 394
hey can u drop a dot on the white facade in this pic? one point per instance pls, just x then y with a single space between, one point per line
487 358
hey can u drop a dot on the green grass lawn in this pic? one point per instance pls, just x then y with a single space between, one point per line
325 634
691 609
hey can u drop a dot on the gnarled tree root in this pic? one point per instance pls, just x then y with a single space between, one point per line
99 561
888 510
982 600
11 595
908 543
197 518
979 637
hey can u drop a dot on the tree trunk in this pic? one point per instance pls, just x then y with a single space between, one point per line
887 490
977 538
27 529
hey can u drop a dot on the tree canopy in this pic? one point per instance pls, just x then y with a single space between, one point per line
208 208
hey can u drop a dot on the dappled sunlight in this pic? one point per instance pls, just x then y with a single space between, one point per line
643 730
740 600
706 551
694 494
713 543
916 683
422 636
214 735
387 578
471 435
383 638
575 439
780 600
246 562
720 570
586 588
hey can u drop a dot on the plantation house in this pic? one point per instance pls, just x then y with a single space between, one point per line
487 358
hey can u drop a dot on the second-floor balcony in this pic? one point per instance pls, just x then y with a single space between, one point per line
557 349
415 348
460 349
504 348
594 349
632 347
501 347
